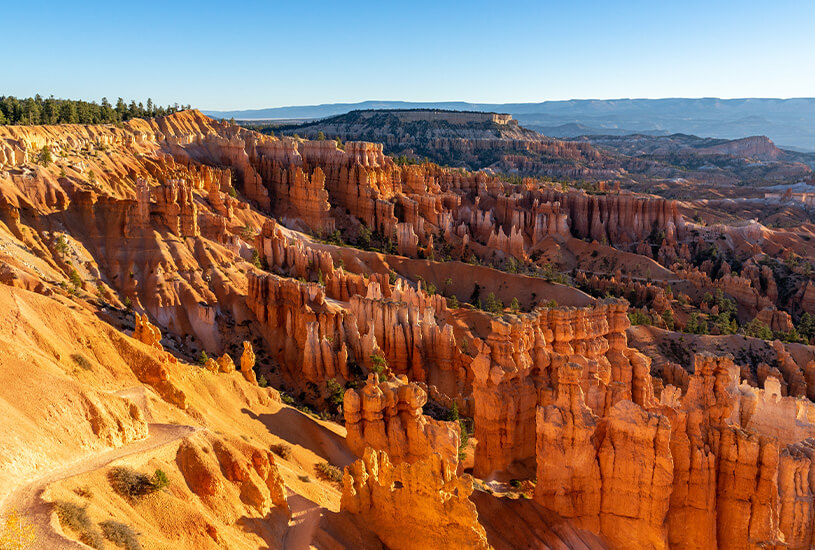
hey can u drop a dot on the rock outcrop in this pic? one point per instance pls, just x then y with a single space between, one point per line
248 363
225 474
387 416
425 499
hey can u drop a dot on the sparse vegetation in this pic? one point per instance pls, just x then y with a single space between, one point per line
378 365
493 304
282 450
257 261
335 393
44 156
120 534
61 245
328 472
638 317
75 517
76 280
466 433
135 485
202 358
81 361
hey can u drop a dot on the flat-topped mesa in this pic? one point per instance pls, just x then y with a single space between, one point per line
387 416
437 115
425 499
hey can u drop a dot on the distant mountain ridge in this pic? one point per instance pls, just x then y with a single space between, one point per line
788 122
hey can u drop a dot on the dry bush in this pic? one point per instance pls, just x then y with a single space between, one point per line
81 361
282 450
328 472
121 534
76 518
132 484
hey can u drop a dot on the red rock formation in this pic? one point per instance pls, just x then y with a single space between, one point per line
568 475
515 373
226 474
796 487
388 416
612 475
248 363
425 499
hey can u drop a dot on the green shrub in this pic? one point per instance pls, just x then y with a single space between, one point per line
160 480
44 156
378 364
336 392
256 259
638 317
493 304
452 416
75 279
466 433
120 534
202 358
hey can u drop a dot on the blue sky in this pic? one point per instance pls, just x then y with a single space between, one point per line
235 55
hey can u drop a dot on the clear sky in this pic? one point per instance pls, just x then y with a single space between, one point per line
236 55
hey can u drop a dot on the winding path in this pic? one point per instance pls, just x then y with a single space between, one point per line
27 497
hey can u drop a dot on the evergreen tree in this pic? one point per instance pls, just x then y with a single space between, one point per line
121 108
68 114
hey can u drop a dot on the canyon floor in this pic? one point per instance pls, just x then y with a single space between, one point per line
215 338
